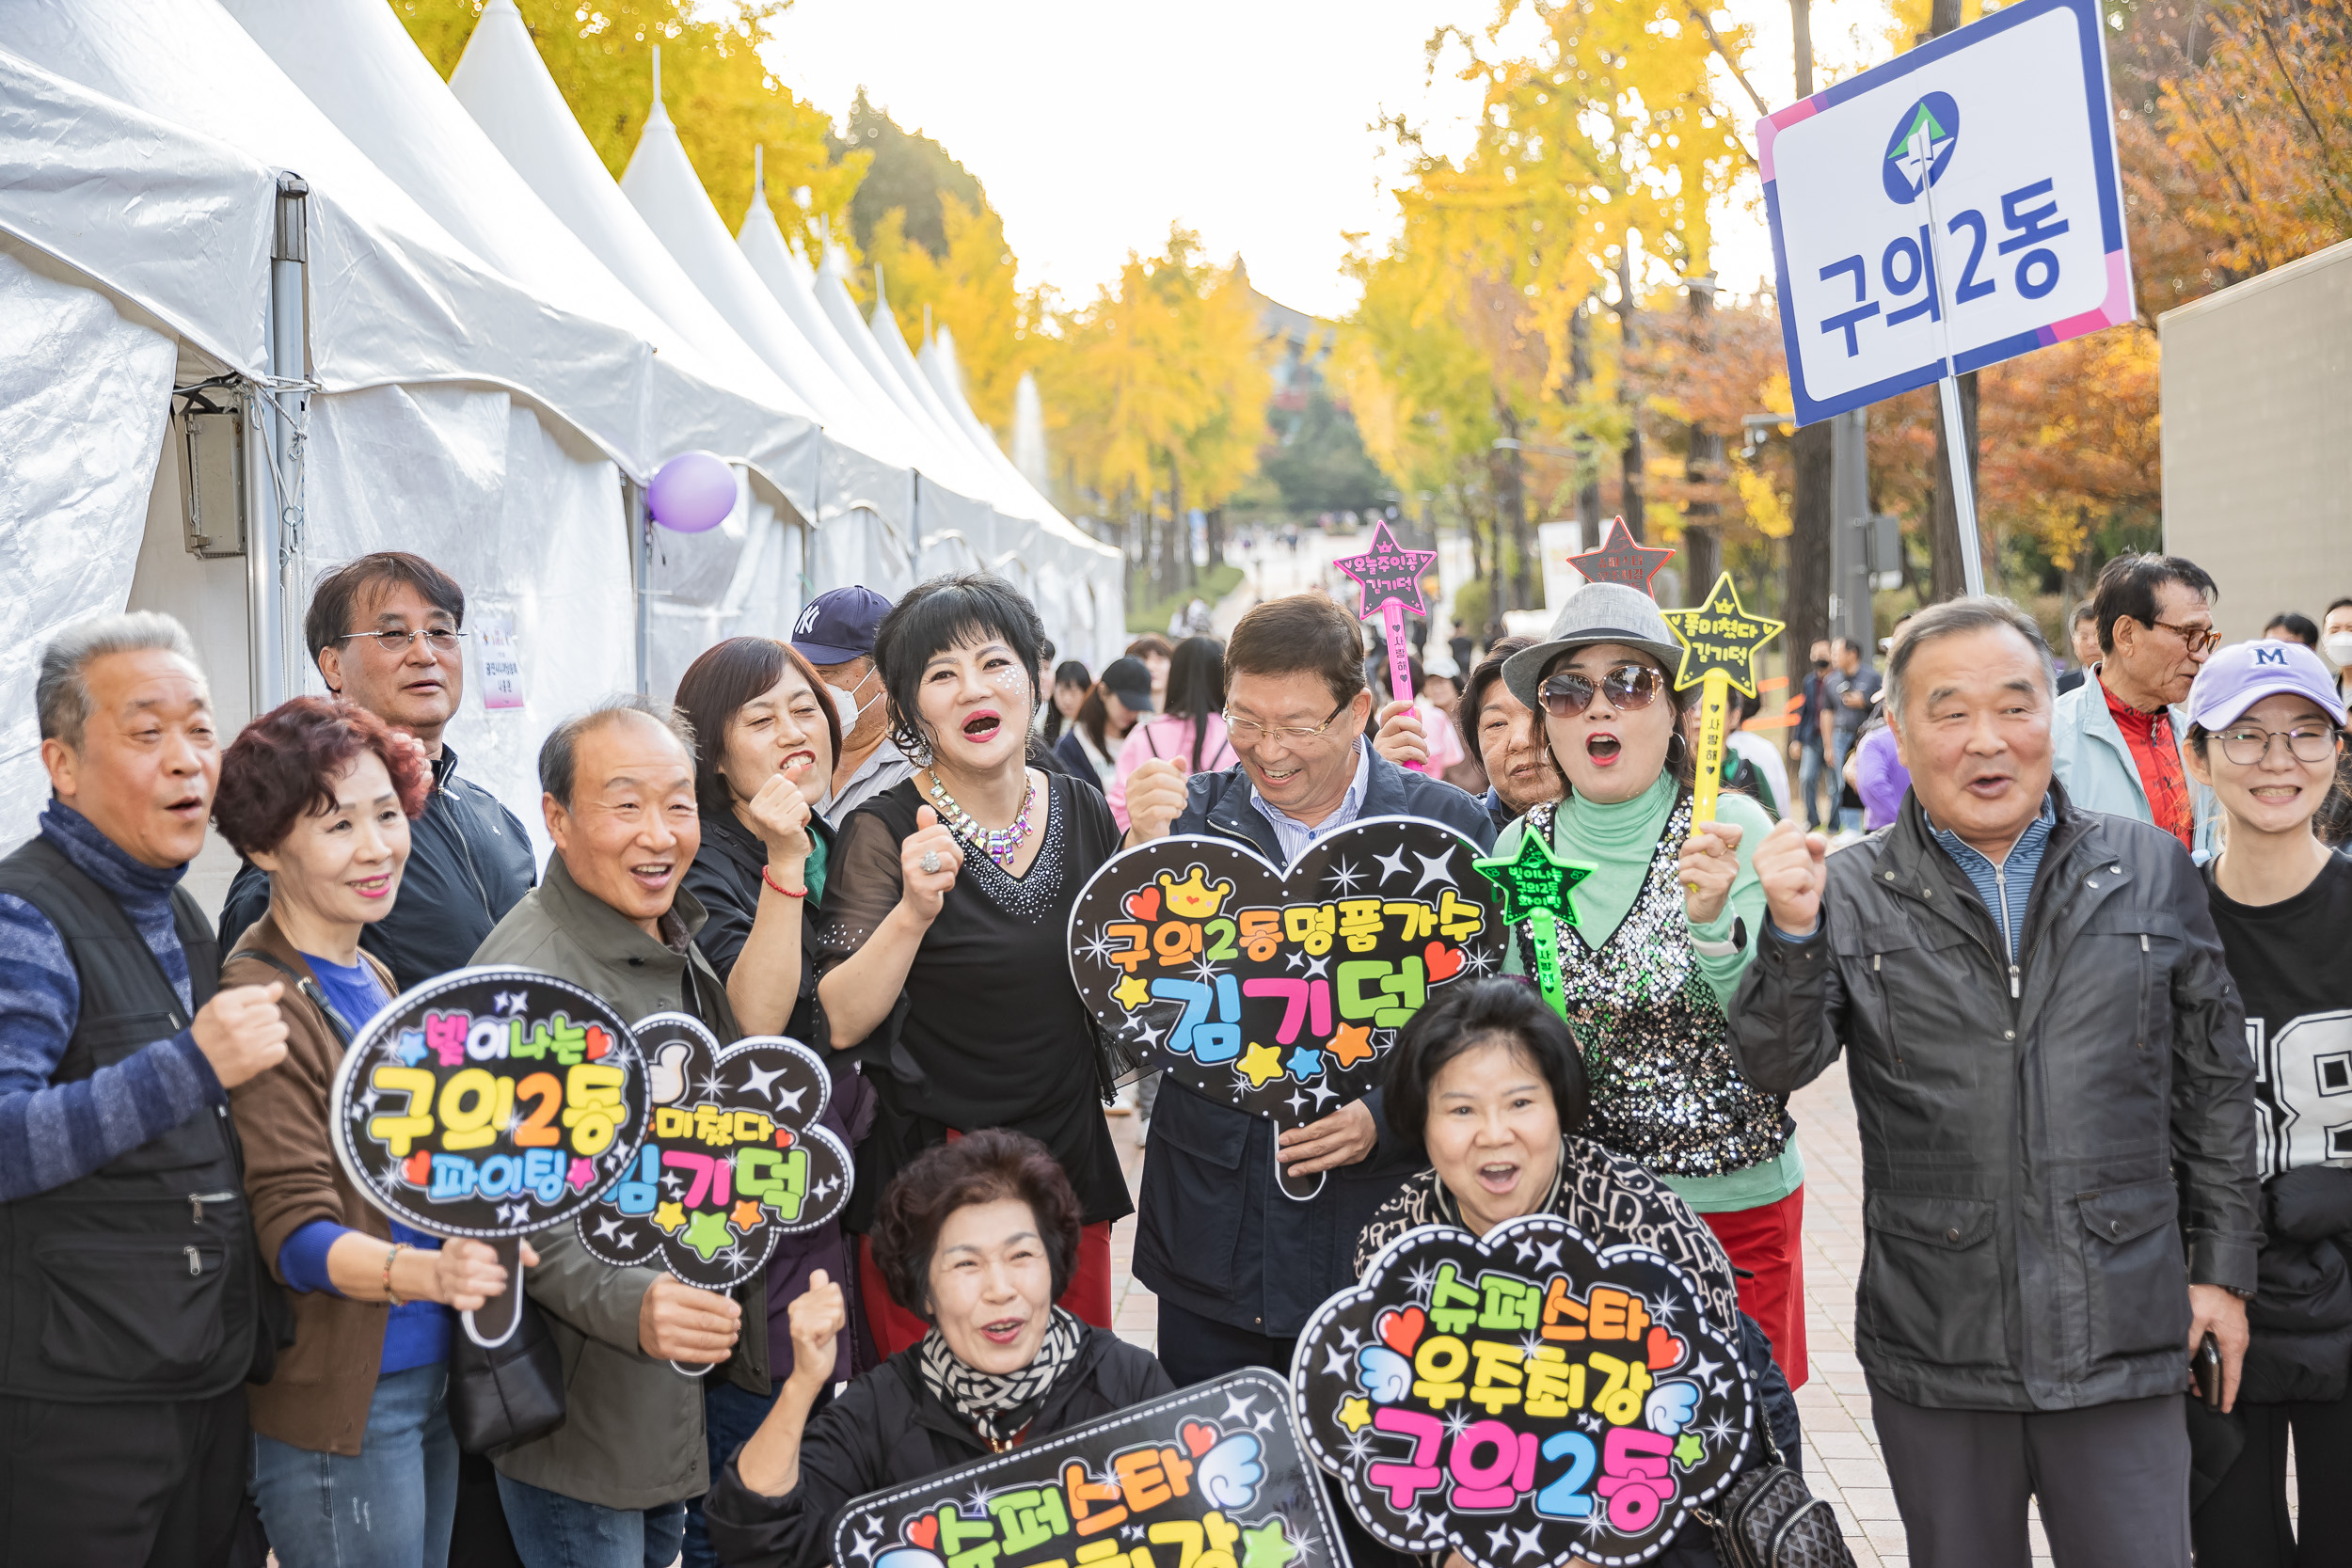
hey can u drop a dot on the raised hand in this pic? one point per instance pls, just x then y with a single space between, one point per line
1793 867
467 1276
1155 797
1401 737
678 1322
1710 864
780 814
922 892
817 1317
240 1033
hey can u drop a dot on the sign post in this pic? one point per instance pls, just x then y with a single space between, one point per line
1954 208
1388 575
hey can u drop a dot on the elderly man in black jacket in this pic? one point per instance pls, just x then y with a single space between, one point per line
1238 1267
387 632
2055 1100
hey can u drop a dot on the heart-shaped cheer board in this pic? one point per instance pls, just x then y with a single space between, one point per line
490 1103
1279 993
1559 1399
733 1159
1212 1476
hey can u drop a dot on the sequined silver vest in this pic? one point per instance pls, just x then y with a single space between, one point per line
1665 1089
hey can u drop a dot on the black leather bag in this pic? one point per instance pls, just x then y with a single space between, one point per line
1769 1519
499 1398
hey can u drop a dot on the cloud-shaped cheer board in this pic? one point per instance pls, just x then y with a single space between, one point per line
1278 994
1522 1394
733 1158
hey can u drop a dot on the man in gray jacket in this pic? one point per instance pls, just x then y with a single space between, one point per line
608 1488
2049 1068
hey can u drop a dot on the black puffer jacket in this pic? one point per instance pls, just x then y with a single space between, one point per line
887 1429
2301 1315
2026 1246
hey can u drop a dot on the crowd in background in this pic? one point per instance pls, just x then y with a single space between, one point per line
2077 947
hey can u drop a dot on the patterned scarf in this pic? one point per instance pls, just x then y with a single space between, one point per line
999 1408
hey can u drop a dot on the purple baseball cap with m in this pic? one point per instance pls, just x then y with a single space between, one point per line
2238 676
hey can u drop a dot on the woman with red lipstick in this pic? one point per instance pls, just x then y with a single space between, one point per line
352 1441
1662 932
945 954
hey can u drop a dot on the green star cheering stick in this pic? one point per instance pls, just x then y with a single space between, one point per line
1535 885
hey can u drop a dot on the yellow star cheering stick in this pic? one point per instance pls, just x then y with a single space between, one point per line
1721 639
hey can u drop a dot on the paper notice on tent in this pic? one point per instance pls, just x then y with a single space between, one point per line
1959 204
501 662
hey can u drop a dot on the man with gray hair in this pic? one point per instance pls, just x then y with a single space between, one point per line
132 1286
608 1488
2049 1063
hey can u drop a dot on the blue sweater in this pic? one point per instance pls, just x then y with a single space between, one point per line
52 1134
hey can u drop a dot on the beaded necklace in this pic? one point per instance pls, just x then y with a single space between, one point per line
999 844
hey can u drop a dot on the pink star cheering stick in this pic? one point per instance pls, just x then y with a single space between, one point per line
1390 577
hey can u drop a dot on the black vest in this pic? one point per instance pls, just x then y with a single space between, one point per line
136 1281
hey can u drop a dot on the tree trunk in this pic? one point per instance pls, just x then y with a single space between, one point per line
1494 602
1469 527
1587 464
1188 574
1944 520
1810 509
1950 579
1629 459
1703 465
1510 471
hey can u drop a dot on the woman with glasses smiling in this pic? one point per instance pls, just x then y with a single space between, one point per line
2264 729
1665 925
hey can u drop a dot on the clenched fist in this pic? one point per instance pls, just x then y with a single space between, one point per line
1155 797
817 1317
921 892
780 814
1793 868
678 1322
240 1033
1709 864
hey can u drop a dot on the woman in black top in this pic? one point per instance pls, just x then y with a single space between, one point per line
945 954
978 1238
765 737
2263 735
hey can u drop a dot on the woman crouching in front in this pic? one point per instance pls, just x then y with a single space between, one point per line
1488 1080
977 1237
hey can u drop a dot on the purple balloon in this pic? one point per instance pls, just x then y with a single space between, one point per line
692 492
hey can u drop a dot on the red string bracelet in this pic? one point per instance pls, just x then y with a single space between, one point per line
780 887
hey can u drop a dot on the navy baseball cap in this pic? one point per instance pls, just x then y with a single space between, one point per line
838 624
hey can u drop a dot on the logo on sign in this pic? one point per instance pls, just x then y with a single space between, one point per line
1922 146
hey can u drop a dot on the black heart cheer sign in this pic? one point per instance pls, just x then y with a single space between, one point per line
1278 993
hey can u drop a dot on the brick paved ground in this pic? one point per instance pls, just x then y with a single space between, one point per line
1841 1456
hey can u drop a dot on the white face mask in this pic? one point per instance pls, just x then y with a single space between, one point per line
2338 648
846 704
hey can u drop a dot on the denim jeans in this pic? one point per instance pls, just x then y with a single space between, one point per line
1810 766
1848 819
390 1506
552 1530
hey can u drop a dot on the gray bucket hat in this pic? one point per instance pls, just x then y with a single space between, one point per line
1597 613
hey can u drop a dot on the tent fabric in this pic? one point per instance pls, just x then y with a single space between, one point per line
84 394
476 472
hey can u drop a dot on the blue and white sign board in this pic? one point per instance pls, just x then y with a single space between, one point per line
1984 161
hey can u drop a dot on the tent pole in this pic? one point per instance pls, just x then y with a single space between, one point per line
273 546
641 540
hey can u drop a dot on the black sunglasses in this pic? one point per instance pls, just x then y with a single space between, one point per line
1626 686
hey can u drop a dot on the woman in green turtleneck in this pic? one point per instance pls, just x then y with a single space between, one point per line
1664 926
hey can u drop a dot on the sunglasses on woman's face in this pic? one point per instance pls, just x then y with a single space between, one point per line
1626 686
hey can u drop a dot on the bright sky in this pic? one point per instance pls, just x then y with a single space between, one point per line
1094 126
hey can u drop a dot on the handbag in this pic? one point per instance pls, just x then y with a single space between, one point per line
1768 1519
509 1394
499 1397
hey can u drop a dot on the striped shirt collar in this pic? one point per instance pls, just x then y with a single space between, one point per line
2008 886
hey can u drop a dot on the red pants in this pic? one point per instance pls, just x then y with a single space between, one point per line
1769 1243
1089 1297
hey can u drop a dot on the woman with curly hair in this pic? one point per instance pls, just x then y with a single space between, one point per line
354 1459
975 1238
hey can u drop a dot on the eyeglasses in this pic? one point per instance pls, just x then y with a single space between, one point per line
1248 732
441 640
2198 641
2305 742
1626 686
